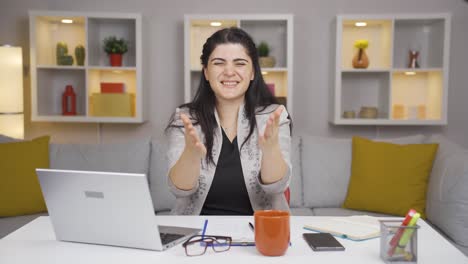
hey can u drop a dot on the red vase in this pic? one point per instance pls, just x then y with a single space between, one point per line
115 59
69 101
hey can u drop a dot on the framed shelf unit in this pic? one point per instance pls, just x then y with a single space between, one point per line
48 79
275 29
404 94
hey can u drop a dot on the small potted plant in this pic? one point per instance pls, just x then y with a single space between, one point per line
115 48
263 53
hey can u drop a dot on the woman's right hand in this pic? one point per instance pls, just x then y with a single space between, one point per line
192 140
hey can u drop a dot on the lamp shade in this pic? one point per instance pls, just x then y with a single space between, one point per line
11 92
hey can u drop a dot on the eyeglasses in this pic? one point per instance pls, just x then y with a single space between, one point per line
196 245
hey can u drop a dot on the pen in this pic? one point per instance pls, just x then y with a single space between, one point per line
407 233
251 227
204 228
397 236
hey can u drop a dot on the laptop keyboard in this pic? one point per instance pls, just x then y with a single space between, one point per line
168 238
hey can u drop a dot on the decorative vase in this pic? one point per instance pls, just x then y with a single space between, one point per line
69 101
349 114
413 59
115 59
80 55
360 60
368 112
267 62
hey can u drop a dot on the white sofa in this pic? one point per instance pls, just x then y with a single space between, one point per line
321 172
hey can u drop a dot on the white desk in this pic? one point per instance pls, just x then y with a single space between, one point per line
35 243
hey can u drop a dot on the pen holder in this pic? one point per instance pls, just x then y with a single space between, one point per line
398 244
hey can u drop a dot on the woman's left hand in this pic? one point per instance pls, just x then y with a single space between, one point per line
268 140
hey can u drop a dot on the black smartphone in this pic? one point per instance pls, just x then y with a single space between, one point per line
323 242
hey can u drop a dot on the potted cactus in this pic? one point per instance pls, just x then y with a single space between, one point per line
115 48
62 56
80 55
263 53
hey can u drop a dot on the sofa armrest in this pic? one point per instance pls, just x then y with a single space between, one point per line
447 198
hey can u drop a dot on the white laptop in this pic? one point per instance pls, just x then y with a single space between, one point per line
106 208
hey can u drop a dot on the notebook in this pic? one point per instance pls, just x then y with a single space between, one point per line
237 228
357 228
106 208
322 242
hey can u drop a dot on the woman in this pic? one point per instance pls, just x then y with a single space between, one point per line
229 147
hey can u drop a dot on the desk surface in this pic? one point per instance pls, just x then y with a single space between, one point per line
35 243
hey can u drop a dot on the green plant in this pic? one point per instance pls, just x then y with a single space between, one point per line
263 49
361 43
114 45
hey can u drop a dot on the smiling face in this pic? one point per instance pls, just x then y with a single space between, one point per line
229 71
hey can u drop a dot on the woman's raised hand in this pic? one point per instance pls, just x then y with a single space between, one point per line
192 140
268 140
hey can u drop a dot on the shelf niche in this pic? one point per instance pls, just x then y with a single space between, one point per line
51 85
425 36
365 89
101 28
379 35
421 89
50 31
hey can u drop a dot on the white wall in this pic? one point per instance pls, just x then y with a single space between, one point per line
313 53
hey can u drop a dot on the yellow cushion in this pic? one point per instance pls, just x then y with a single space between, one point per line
20 192
389 178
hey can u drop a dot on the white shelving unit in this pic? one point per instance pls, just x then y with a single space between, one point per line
275 29
402 95
48 80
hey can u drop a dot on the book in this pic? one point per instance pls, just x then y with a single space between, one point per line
357 228
112 87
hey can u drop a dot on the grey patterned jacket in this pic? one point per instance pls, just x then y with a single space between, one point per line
262 196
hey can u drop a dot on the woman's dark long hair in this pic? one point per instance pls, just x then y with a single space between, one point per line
203 105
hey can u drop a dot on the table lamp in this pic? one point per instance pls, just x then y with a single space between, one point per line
11 92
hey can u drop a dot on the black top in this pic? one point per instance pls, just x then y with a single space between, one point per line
228 193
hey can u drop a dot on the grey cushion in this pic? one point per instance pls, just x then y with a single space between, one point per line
163 199
10 224
301 211
447 201
413 139
6 139
130 157
326 166
343 212
295 186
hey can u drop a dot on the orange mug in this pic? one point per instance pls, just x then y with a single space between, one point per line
272 232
